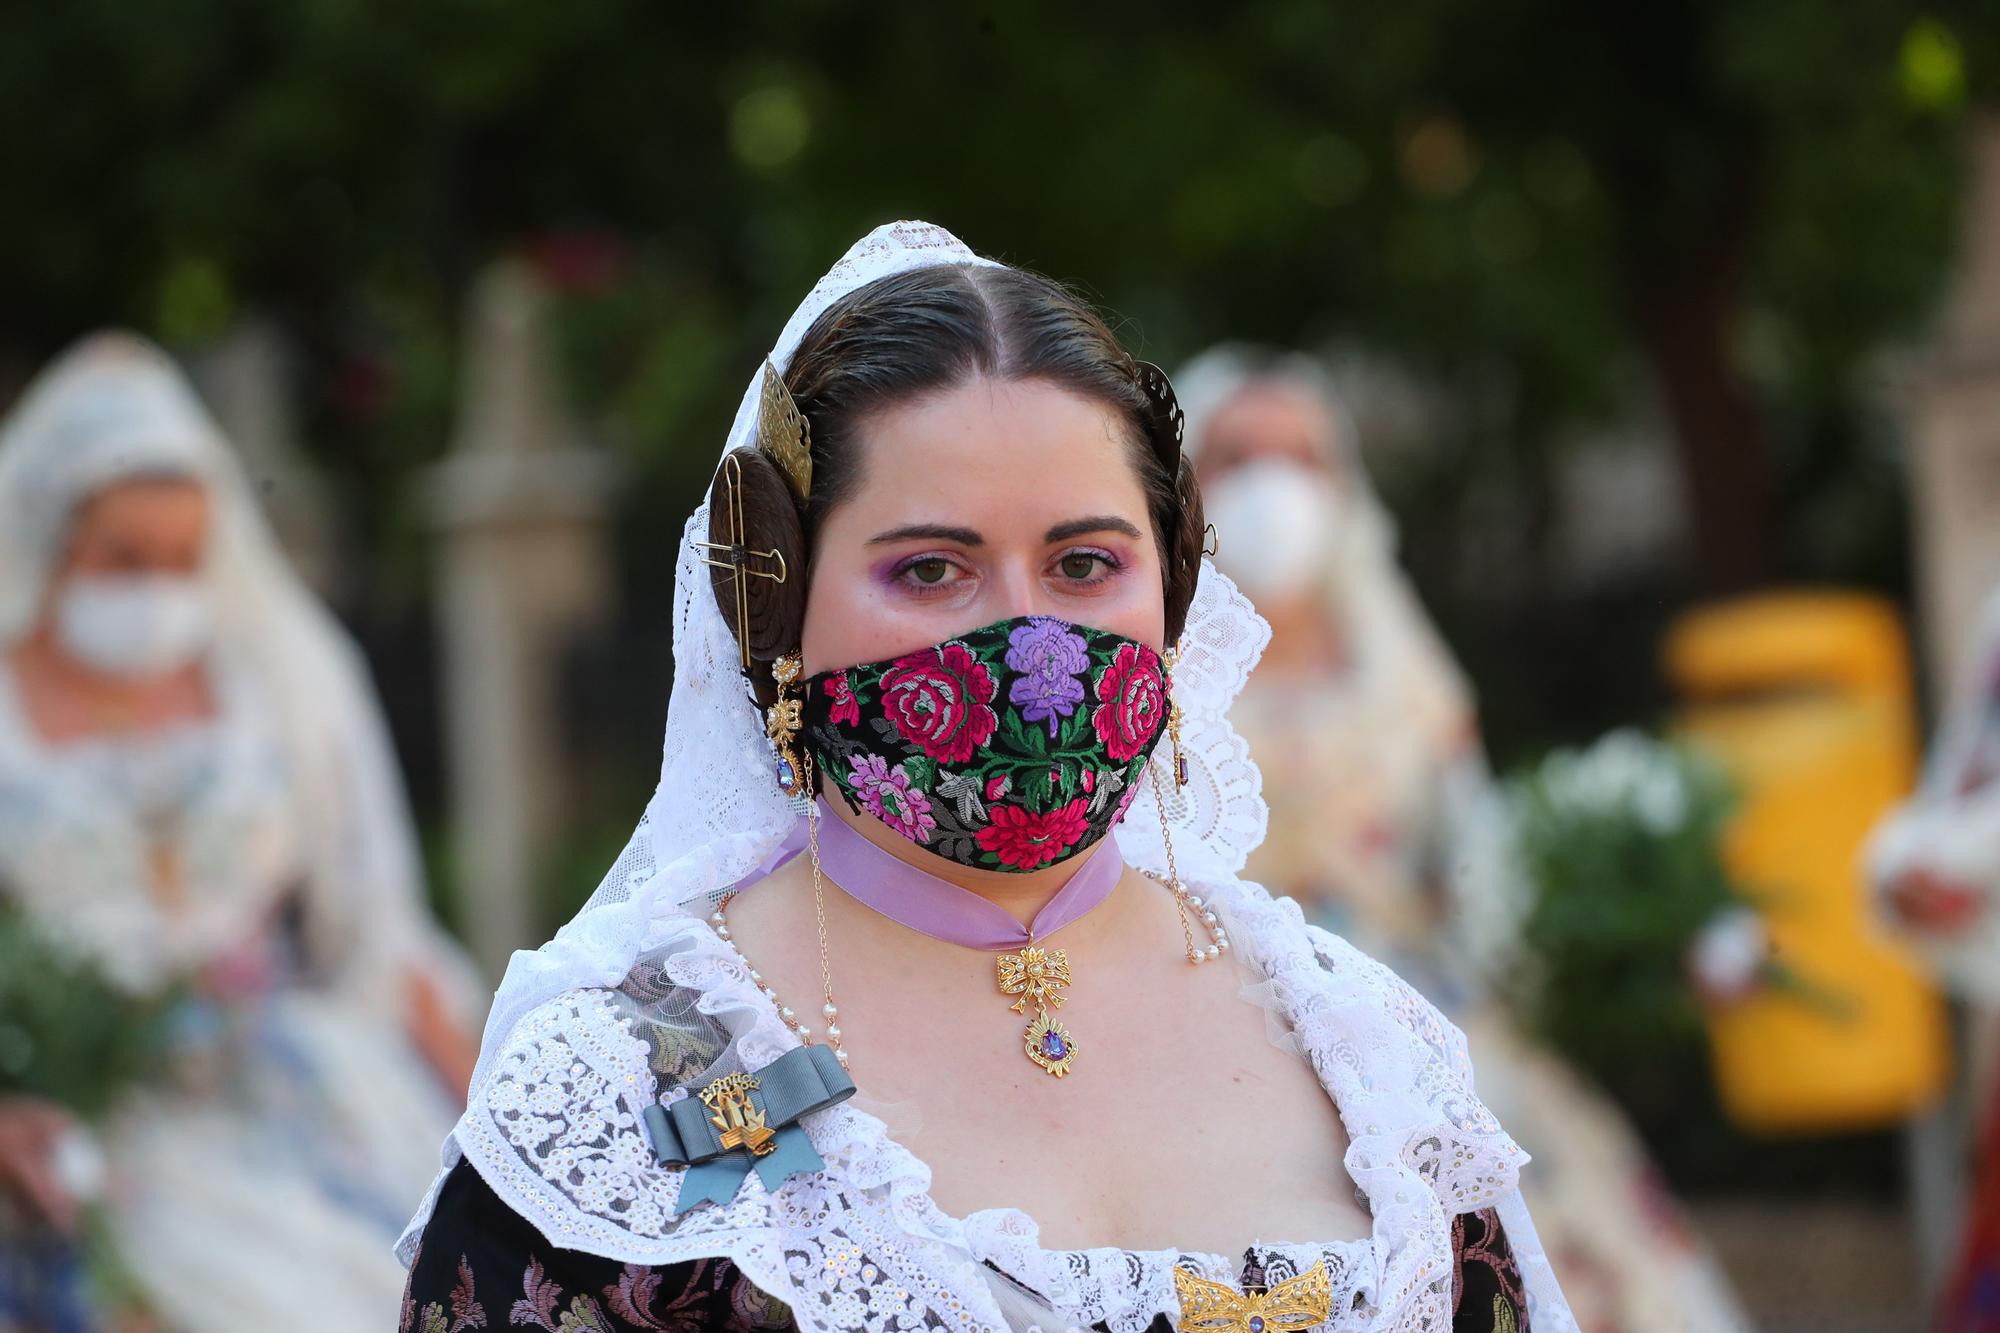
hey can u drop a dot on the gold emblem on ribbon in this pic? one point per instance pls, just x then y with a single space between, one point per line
739 1119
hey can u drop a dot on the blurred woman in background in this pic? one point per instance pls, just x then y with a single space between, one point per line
1936 863
1385 823
199 804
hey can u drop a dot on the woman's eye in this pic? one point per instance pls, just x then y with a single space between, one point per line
932 571
1087 566
1079 566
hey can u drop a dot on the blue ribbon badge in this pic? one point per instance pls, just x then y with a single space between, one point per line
735 1123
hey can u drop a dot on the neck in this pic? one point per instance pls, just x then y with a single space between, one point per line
42 652
1020 894
63 699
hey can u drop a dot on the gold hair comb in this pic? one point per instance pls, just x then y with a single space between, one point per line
784 435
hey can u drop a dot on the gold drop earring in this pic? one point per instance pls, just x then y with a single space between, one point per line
1192 907
783 722
1174 720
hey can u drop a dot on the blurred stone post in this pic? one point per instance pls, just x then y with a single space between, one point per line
520 505
245 377
1952 424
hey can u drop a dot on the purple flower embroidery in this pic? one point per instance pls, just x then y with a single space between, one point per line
886 794
1048 656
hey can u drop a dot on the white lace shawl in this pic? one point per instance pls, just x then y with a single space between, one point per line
636 996
556 1132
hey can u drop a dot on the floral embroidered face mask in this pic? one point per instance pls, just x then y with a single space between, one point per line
1011 747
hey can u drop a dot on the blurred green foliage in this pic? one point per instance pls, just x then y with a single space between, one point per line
1486 189
66 1033
1556 213
1622 844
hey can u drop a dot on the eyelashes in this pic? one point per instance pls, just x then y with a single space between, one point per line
906 572
933 574
1108 566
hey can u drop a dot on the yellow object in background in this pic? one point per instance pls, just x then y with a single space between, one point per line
1805 699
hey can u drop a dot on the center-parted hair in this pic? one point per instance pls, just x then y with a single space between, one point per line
920 332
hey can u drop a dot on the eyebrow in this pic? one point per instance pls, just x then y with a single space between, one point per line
938 532
1083 527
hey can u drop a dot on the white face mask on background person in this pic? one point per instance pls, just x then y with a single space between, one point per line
134 625
1277 525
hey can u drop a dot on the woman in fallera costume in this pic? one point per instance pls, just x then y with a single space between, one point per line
926 994
1385 823
198 800
1936 866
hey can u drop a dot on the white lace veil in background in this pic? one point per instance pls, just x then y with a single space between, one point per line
115 408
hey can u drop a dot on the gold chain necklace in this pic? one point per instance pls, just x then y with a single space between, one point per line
1033 975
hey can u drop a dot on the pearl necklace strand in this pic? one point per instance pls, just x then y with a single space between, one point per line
786 1014
829 1010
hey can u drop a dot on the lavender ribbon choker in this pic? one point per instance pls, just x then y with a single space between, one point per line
913 897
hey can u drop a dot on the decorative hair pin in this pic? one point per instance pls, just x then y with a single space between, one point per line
738 556
1170 422
784 434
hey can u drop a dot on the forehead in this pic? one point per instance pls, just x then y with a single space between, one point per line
1007 453
1272 418
143 504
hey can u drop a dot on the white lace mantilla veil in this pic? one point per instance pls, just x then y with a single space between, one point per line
552 1119
115 407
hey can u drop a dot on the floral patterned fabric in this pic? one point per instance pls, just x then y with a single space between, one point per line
1008 748
482 1266
1488 1295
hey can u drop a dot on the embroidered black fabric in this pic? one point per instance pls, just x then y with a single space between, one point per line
482 1266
